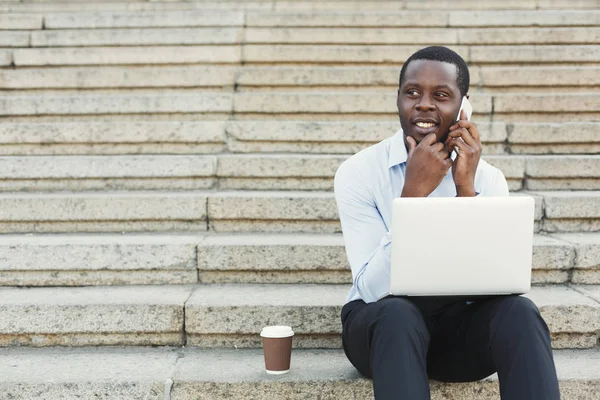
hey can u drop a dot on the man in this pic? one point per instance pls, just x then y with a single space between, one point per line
400 342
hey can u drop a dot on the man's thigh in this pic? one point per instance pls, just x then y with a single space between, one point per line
459 350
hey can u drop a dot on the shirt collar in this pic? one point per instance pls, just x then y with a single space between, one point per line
398 153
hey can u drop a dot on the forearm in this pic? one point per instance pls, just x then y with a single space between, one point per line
373 278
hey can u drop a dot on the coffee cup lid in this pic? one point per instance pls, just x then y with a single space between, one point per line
278 331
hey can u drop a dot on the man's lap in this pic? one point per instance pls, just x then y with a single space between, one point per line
459 347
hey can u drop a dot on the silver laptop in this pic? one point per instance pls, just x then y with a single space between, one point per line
461 246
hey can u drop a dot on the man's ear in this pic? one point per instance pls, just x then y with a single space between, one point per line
398 100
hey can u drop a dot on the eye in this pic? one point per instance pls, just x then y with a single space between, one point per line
412 92
441 94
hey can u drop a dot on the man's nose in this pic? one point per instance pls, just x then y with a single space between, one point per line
425 104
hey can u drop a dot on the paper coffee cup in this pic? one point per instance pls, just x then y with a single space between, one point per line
277 347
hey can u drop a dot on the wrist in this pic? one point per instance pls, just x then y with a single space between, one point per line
408 191
465 191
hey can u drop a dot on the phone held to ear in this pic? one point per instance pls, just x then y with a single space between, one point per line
467 107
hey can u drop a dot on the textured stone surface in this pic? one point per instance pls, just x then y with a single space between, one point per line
272 252
587 248
335 103
352 36
14 38
320 133
113 373
566 310
20 21
592 291
144 373
98 252
272 206
511 166
127 55
554 133
104 277
327 374
117 77
535 54
69 260
134 6
529 35
5 58
552 253
103 212
111 137
278 166
74 167
586 276
581 166
314 309
143 19
523 18
571 204
339 53
391 19
116 104
524 75
31 313
245 309
516 103
135 37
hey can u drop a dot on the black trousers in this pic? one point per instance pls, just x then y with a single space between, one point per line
400 342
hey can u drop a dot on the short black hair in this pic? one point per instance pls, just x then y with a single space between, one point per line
442 54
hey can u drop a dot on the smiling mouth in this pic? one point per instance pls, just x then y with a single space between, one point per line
425 128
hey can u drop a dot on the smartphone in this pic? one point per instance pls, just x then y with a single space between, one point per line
467 107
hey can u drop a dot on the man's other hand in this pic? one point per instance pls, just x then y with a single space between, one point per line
464 136
427 164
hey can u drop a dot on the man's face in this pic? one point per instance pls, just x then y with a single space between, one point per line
429 99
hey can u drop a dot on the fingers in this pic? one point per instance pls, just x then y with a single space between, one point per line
429 139
411 145
465 135
467 125
464 147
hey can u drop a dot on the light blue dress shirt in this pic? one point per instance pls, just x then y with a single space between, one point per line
365 186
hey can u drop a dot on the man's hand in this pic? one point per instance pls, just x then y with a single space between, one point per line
464 136
426 166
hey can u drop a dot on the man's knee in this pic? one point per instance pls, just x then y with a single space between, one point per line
519 314
398 316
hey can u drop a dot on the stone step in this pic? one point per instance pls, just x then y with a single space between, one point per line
563 107
286 5
297 54
236 211
421 36
394 55
351 137
322 259
482 77
301 35
134 55
193 18
105 259
103 212
203 102
187 373
146 37
230 315
405 18
316 172
485 78
21 21
84 173
207 137
120 137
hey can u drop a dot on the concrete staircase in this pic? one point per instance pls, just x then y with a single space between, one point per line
166 180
